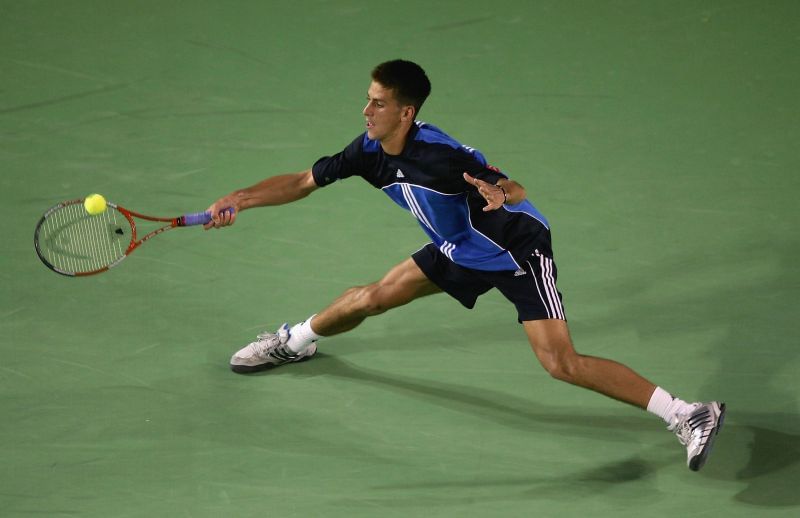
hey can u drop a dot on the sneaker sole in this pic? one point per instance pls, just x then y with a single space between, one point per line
249 369
700 459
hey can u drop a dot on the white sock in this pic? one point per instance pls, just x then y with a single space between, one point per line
301 336
665 406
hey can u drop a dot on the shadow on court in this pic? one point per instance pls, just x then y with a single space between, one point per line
760 308
609 480
765 459
773 469
498 407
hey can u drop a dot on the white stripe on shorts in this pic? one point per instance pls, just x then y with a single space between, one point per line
447 249
546 287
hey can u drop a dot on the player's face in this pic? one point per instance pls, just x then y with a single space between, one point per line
386 118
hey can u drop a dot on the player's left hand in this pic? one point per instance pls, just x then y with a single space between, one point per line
493 194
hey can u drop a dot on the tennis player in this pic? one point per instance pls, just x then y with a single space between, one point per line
484 234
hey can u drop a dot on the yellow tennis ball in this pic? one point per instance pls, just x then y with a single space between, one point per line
94 204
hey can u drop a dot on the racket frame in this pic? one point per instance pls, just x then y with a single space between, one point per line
180 221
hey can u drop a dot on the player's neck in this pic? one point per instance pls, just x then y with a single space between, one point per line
394 144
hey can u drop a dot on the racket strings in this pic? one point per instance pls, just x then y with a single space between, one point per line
74 241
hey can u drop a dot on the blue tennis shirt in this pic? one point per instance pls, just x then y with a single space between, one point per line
426 179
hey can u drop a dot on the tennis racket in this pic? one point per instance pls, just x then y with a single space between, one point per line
72 242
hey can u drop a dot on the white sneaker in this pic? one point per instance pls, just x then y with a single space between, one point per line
697 429
269 350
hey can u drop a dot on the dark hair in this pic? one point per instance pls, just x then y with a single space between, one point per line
406 78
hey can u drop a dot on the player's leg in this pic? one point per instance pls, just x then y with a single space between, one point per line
402 284
551 342
695 424
533 291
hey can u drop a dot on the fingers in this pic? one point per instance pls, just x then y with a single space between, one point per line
214 217
494 195
492 205
470 179
220 217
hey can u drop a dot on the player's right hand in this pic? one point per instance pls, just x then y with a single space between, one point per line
223 213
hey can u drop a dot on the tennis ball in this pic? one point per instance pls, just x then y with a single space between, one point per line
94 204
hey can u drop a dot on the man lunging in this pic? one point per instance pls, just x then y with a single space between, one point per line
484 234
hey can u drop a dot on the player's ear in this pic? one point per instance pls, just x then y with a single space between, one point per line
408 113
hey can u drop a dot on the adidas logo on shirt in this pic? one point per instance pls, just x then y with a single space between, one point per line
400 174
520 272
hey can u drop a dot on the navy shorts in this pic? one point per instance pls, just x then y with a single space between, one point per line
532 288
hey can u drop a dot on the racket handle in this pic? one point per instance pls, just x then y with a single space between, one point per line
197 218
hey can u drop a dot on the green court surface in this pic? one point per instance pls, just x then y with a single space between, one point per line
658 137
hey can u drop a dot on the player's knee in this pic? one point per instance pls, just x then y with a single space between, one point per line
563 367
367 300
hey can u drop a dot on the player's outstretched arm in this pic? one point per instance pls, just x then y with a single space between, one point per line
275 190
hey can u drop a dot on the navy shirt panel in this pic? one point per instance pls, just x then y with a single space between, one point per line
427 180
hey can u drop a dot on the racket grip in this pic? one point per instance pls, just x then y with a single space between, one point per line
198 218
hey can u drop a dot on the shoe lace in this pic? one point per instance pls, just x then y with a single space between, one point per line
683 430
266 343
272 345
685 425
